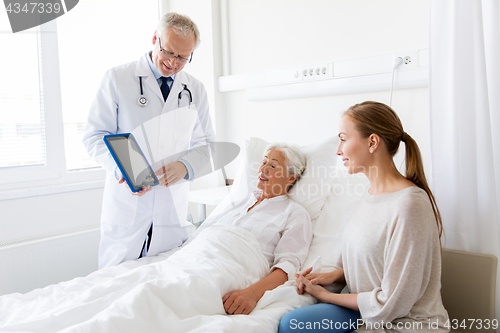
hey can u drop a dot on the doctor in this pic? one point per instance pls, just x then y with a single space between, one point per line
153 91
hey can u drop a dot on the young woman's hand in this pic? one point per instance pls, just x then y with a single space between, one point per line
328 278
312 289
323 279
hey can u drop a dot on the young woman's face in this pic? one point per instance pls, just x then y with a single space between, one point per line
353 148
273 175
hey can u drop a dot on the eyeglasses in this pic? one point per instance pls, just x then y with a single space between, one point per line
171 55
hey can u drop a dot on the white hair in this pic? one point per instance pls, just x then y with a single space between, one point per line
295 159
182 25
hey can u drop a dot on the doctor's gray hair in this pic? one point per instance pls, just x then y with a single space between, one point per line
294 158
182 25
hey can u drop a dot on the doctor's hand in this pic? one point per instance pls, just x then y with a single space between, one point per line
140 193
172 173
241 301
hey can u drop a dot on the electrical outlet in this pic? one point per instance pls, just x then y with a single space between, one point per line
409 60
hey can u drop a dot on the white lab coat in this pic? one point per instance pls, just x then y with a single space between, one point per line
126 218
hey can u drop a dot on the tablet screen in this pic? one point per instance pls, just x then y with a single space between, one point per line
131 161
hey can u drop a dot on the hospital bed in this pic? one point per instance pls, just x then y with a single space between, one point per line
134 297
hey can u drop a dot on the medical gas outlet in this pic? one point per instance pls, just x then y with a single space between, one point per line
315 72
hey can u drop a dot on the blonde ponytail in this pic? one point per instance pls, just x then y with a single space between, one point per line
415 173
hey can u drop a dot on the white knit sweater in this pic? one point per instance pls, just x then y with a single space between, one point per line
392 258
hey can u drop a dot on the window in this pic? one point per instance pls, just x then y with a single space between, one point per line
98 35
22 136
50 75
29 133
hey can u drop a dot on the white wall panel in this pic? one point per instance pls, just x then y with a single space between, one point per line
43 215
268 36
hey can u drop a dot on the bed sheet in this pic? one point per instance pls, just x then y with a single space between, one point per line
179 291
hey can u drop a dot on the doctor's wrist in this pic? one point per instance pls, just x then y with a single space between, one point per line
118 174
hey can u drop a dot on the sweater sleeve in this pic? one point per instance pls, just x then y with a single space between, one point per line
406 274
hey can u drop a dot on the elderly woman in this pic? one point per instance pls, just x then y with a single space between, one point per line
225 267
281 226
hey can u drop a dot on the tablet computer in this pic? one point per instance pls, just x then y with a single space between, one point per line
131 161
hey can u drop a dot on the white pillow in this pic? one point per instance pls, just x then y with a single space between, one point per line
310 191
329 206
346 191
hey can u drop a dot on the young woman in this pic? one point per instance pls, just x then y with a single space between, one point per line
391 251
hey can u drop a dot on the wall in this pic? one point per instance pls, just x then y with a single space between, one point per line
206 67
48 235
272 35
44 215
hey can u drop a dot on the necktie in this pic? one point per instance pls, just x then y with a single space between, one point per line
147 242
164 87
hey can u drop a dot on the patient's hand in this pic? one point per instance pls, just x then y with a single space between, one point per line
323 279
241 301
312 289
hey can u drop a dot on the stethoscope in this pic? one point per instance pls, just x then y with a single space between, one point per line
143 101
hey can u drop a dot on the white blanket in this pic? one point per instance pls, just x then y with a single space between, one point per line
181 292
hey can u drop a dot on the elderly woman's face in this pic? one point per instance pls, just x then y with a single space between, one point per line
273 175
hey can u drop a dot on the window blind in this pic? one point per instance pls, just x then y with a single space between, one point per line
95 36
22 135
